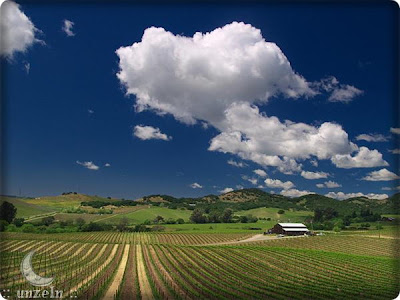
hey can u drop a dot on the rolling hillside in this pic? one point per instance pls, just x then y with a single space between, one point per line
239 201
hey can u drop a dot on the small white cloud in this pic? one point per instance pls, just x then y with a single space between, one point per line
237 164
364 158
339 92
90 111
342 196
67 27
276 183
314 175
205 125
195 185
295 193
391 188
149 132
345 93
226 190
260 173
253 181
27 67
239 187
328 184
381 175
17 30
107 165
372 137
395 151
88 164
314 162
395 130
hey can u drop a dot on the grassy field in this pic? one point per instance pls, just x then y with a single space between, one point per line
269 212
149 213
26 209
64 201
196 266
221 227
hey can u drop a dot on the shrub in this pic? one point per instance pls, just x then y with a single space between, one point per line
157 228
80 222
18 222
3 225
11 228
28 228
48 220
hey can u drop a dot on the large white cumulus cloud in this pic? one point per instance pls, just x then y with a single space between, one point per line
199 77
364 158
16 30
219 77
270 142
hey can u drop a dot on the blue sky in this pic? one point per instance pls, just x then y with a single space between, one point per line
181 108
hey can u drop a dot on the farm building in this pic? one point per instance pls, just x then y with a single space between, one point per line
289 229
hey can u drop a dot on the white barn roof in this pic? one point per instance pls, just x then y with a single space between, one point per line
293 225
295 229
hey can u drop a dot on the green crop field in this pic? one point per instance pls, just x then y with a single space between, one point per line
112 265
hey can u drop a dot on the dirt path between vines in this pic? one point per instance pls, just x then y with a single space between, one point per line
118 276
256 238
98 270
144 284
376 236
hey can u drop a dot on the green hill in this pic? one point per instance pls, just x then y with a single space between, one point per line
239 200
28 207
246 199
25 209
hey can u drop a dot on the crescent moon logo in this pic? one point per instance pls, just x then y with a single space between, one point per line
30 275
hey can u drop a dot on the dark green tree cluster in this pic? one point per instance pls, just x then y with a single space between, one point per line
200 216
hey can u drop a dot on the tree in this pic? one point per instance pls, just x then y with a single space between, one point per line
93 227
7 211
252 219
123 224
18 222
48 220
158 219
197 216
243 219
180 221
227 215
318 215
214 217
337 229
281 211
80 222
140 228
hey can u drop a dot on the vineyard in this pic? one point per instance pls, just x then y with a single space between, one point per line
198 266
